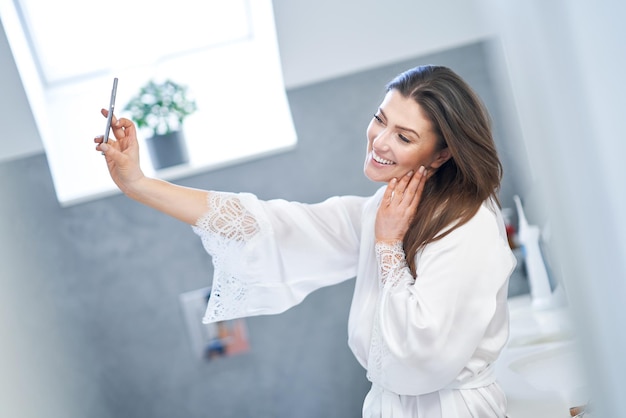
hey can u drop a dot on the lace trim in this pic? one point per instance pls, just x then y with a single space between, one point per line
392 267
228 218
391 262
225 230
228 298
378 352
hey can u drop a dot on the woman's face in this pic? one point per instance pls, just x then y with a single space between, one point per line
400 139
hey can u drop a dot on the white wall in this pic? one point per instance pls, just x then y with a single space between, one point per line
318 40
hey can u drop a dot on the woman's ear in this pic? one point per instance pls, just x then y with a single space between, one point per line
441 157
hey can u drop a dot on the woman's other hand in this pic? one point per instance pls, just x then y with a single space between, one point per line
121 153
399 205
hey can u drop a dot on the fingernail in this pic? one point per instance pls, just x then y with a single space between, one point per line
422 169
104 147
410 173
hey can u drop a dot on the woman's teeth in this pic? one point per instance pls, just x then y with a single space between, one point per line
380 160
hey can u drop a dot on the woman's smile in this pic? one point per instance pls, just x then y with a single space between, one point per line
377 158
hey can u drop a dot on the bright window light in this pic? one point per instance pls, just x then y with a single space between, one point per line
224 51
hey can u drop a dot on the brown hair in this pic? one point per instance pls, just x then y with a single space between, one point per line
455 191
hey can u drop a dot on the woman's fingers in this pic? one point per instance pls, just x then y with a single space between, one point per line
407 191
390 191
394 214
400 191
123 124
399 205
416 185
122 127
105 113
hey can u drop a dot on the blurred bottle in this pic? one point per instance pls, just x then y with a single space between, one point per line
529 239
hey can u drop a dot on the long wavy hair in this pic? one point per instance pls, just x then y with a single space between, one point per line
455 191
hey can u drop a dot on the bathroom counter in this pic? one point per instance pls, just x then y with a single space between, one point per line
540 369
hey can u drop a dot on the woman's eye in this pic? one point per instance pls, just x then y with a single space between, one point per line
378 119
403 138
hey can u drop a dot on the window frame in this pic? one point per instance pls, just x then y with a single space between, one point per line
229 90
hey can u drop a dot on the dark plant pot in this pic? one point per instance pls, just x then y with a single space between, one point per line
167 150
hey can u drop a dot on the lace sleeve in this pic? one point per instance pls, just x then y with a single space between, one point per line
391 262
392 270
268 255
228 218
225 230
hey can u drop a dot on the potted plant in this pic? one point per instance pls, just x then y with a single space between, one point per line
160 109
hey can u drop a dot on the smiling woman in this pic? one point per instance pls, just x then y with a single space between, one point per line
429 250
209 49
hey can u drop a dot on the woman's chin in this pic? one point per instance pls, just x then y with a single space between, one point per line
372 175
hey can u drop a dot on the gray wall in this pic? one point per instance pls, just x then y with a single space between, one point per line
91 319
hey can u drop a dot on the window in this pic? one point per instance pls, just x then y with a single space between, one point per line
224 51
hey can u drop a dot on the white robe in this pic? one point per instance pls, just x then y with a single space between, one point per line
428 342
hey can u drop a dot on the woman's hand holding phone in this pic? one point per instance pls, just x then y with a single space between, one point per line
121 154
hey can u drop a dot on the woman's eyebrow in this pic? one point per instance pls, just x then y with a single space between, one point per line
402 128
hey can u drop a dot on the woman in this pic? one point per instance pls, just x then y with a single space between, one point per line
429 251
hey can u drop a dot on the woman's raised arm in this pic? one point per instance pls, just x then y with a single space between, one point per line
122 158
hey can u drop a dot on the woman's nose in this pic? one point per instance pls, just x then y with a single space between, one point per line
381 141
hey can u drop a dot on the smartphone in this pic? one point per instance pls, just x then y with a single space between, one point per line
111 108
